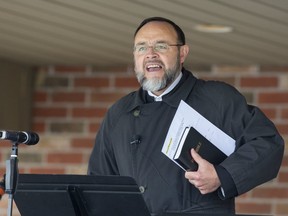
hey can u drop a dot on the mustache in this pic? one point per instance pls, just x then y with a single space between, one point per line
153 62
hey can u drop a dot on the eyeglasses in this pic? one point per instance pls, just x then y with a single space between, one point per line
141 49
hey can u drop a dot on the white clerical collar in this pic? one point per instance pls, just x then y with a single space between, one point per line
170 88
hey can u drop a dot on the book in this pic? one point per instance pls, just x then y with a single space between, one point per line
191 138
187 121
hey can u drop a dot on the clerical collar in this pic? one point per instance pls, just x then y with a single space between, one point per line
170 88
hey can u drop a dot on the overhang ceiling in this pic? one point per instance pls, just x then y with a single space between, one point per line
100 32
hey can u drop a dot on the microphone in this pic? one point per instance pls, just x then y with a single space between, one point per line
136 139
28 138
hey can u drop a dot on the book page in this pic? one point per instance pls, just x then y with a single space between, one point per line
186 116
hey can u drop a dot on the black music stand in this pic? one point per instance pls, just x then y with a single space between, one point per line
78 195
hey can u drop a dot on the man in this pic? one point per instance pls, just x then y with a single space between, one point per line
132 134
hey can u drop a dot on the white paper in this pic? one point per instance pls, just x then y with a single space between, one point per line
186 116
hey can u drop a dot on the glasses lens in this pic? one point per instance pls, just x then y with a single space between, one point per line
158 47
140 48
161 47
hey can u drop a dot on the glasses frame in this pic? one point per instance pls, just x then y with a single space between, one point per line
155 48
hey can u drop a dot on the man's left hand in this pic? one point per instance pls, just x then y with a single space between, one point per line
205 178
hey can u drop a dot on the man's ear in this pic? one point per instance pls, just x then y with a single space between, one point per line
184 50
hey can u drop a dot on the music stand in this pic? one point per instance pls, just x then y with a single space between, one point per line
78 195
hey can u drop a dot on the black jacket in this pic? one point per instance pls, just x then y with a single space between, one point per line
137 116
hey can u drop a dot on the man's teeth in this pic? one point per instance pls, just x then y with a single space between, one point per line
153 66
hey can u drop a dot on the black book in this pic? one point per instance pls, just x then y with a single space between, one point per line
191 138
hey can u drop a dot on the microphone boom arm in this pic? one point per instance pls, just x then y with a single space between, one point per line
11 177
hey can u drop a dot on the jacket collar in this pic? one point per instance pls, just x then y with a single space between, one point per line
182 90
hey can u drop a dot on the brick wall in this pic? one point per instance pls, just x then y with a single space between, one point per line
69 104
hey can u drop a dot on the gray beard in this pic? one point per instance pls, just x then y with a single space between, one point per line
157 84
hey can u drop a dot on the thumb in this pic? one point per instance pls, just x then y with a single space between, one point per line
196 156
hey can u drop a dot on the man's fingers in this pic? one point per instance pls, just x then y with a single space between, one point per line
196 156
200 187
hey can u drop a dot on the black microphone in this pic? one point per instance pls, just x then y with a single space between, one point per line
28 138
136 139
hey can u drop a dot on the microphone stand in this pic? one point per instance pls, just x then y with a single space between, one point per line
11 177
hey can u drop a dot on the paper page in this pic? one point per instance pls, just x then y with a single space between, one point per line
186 116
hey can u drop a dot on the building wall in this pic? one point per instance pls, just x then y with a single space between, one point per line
16 86
70 102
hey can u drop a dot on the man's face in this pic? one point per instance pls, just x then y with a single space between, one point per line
157 68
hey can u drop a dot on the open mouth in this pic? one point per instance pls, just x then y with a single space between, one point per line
153 67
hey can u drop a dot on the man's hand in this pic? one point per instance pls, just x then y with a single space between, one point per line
205 178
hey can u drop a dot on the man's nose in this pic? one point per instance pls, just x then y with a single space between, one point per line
151 51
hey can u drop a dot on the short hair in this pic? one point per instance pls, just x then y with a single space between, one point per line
180 33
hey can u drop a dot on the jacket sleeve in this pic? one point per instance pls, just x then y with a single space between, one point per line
259 146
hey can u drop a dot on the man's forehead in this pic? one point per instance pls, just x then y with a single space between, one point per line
156 31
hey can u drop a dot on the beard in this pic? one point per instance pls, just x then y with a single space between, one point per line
155 84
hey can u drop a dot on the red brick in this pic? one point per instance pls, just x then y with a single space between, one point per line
229 80
94 127
282 128
106 97
285 161
284 113
94 82
40 97
259 82
276 97
70 69
40 127
283 176
126 82
82 142
274 68
88 112
243 196
47 170
269 112
71 158
112 69
256 208
5 144
269 193
68 97
49 112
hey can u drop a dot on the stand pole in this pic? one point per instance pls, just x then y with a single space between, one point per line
11 177
10 205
